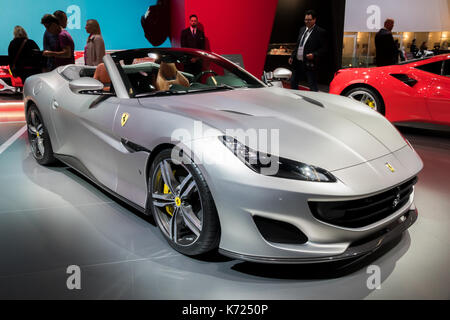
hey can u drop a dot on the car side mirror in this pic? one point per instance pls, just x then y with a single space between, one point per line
85 85
282 74
274 78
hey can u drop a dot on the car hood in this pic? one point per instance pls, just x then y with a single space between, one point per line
324 130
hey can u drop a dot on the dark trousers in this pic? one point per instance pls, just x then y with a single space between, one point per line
300 72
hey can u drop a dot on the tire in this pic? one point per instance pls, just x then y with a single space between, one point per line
41 146
185 211
367 96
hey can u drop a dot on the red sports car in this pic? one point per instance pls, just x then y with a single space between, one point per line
415 90
8 83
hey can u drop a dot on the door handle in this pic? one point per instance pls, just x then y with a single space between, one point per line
55 104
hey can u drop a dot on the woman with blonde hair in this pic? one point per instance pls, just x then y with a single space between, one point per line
95 46
24 56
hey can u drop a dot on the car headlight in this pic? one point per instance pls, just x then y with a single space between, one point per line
289 169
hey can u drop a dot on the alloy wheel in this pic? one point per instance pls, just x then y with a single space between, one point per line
364 97
36 134
177 203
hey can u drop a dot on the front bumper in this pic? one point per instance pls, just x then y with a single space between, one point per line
241 195
362 248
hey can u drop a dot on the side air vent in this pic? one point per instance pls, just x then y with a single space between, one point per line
237 112
404 78
133 147
279 231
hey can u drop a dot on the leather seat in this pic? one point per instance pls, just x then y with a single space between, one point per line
169 75
101 74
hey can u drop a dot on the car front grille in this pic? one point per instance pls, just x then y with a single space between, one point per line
363 212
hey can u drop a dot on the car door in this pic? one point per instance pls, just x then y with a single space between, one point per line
86 141
439 95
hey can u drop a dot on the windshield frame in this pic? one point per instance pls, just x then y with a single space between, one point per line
128 56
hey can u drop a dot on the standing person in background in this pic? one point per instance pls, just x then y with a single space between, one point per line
23 55
95 46
193 37
386 50
413 49
51 40
444 45
62 18
64 52
400 56
423 46
311 46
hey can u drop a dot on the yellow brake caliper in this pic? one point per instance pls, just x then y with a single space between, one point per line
370 103
169 209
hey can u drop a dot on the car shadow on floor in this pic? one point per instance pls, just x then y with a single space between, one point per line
147 217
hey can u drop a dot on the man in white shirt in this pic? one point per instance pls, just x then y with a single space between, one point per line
311 46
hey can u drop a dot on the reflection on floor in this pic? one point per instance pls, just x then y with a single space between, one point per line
11 111
51 218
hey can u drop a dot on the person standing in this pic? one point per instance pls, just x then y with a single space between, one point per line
95 46
62 18
50 43
51 40
193 37
386 50
413 49
23 55
63 53
423 46
310 48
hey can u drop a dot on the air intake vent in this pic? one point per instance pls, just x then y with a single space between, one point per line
279 232
363 212
315 102
405 79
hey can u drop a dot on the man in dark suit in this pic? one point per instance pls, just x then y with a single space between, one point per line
386 50
311 47
192 37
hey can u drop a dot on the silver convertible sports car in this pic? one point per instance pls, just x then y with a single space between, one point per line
224 161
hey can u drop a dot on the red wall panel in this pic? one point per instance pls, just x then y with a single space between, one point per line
231 27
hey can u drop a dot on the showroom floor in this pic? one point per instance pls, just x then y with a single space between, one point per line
51 218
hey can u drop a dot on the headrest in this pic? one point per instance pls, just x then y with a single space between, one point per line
101 74
168 70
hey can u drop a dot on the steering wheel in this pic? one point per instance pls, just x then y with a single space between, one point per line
201 74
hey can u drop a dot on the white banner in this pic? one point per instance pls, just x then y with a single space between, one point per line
409 15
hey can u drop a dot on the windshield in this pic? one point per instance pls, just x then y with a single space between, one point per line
155 72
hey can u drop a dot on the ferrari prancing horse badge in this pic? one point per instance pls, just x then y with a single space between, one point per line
390 167
124 118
